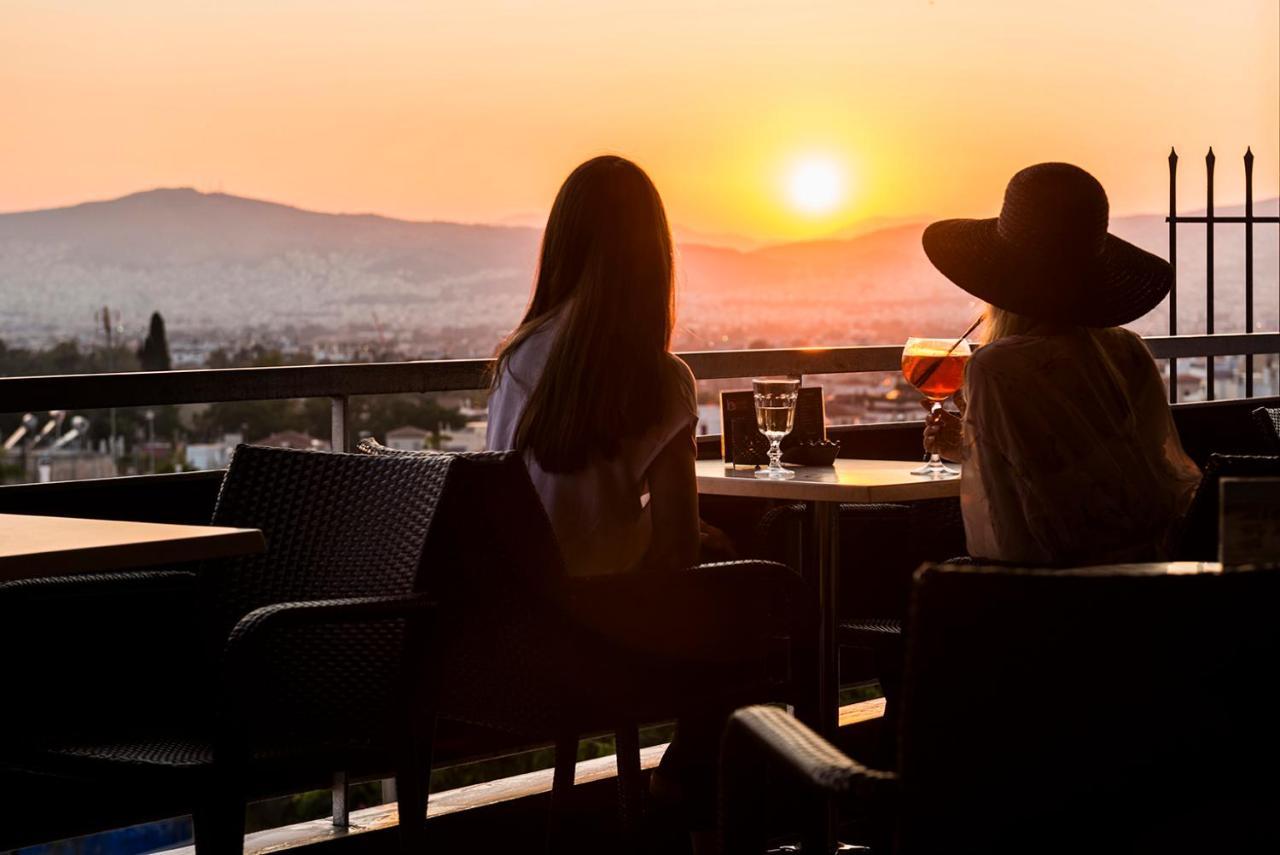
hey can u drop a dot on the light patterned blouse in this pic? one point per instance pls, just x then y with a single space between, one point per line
1067 463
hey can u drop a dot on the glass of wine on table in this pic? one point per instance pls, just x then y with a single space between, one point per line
935 366
775 416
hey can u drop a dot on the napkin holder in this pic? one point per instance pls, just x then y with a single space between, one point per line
742 444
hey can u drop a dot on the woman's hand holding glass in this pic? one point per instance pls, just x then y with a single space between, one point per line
943 431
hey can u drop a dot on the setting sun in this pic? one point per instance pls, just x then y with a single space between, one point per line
816 185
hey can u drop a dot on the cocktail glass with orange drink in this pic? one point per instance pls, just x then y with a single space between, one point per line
935 366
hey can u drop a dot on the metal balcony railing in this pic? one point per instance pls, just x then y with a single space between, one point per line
339 383
1210 219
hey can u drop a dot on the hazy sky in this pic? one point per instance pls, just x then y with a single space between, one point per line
475 111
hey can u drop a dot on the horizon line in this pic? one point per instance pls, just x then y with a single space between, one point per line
891 222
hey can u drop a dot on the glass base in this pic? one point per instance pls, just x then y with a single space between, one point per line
937 470
775 474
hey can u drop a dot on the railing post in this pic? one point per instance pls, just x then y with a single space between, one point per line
1173 261
1248 266
341 800
1208 256
340 429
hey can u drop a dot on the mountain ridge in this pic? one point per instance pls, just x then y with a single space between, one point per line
225 264
165 200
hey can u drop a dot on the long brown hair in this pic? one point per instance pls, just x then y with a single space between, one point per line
606 265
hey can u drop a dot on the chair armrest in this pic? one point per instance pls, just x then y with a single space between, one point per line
740 567
765 592
327 665
770 735
257 624
64 588
774 768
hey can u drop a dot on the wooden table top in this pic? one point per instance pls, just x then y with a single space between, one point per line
35 546
846 481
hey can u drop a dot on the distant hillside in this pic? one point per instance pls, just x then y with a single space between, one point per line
221 265
216 262
183 226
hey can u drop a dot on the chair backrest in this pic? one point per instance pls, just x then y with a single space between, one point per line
1267 421
1199 540
493 528
336 525
494 566
1046 711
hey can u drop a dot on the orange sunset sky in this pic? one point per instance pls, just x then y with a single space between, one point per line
475 111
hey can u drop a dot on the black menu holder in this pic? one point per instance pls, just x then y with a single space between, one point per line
741 442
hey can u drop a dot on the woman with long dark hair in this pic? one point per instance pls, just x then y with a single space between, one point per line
587 388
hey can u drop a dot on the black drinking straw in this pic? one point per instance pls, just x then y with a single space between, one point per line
937 363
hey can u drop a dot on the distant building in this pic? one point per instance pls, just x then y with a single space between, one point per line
211 455
469 438
708 419
1190 386
67 465
407 438
468 410
293 439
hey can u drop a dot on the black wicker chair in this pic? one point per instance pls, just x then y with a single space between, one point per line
1199 537
286 668
1107 709
1267 421
526 649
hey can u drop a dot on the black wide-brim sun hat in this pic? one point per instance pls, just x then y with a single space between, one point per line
1049 256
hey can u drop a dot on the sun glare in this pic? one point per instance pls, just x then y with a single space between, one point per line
816 185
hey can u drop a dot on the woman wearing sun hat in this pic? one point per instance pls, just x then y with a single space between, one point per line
1070 451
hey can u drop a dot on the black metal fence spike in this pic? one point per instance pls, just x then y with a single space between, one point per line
1211 220
1209 302
1173 263
1248 265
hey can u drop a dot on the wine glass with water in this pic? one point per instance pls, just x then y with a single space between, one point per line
935 366
775 416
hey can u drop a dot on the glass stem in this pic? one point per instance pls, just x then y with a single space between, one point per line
775 456
935 459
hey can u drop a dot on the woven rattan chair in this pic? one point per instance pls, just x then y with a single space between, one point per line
1095 710
528 650
1267 421
1199 536
289 666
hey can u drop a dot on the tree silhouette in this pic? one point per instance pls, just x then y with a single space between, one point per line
154 353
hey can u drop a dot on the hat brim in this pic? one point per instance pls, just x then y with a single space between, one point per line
1119 285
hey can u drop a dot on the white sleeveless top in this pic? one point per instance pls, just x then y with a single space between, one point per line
599 513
